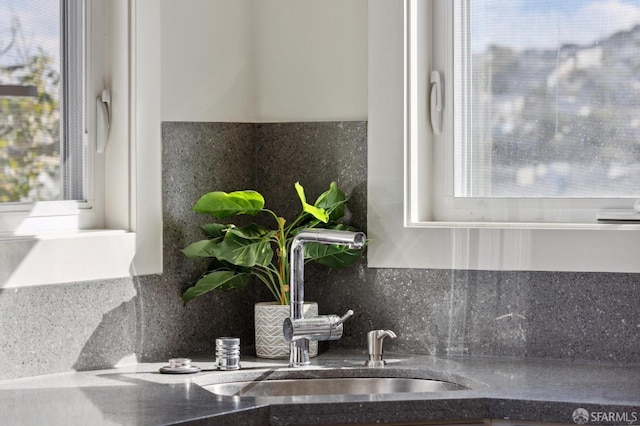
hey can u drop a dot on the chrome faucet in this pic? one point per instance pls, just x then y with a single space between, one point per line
297 329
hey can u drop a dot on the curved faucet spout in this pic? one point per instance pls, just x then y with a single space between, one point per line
332 236
323 236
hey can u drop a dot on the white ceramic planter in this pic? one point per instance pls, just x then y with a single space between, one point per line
270 342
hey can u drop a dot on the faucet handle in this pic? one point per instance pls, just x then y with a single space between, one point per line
336 325
343 318
374 344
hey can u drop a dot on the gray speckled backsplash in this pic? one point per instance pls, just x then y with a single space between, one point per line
48 329
57 328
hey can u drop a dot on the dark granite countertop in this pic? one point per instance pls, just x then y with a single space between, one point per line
499 388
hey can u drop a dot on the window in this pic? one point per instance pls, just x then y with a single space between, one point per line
443 201
552 99
51 66
41 92
104 216
544 98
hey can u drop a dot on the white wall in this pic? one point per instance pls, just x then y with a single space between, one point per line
311 60
264 60
207 69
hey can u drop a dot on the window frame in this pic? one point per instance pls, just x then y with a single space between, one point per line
29 218
399 135
128 240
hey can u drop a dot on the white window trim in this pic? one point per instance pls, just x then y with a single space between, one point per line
399 239
131 243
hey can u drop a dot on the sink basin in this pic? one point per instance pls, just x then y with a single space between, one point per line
330 386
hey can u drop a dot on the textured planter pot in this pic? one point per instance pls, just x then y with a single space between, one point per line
269 317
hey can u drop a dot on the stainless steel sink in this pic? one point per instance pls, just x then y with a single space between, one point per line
330 386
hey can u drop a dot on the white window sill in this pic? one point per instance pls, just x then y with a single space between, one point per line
57 258
506 247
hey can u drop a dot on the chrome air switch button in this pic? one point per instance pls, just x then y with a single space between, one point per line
179 366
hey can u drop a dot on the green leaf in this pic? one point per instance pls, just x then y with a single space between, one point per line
333 201
220 265
252 231
314 211
222 205
333 256
223 280
214 230
202 248
244 252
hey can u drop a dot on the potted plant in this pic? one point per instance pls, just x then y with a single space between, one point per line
238 253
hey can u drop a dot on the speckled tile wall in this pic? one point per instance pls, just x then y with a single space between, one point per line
57 328
48 329
197 158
